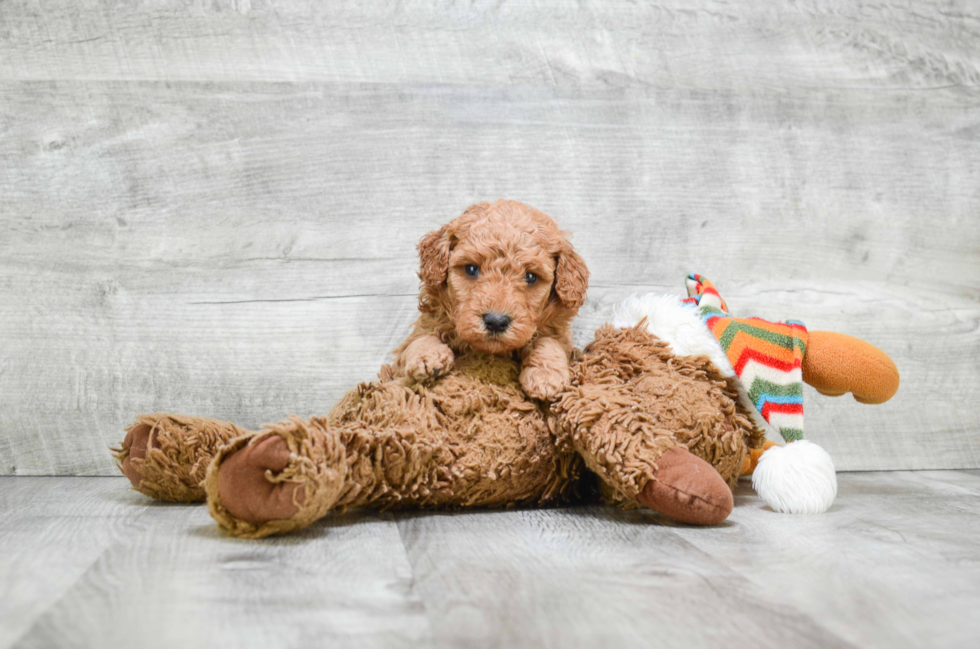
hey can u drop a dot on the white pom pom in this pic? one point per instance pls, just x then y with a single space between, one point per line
798 478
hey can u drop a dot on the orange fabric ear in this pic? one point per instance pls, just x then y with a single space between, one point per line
571 278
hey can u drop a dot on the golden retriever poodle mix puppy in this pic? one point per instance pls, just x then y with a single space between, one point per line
463 415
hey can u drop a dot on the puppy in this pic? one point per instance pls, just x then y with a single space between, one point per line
499 279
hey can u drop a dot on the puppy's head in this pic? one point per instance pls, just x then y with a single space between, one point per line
501 272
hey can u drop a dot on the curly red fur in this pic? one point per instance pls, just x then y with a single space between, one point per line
504 240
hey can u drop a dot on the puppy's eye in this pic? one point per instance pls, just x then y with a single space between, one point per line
472 270
530 278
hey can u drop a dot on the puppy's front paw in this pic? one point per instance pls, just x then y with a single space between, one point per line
430 363
543 383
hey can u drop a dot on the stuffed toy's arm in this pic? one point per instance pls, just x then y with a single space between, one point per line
544 371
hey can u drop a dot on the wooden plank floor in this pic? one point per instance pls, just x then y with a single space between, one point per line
87 562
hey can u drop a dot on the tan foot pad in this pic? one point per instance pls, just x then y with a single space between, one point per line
136 443
278 480
245 490
688 489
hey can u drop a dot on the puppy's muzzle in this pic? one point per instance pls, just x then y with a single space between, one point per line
496 323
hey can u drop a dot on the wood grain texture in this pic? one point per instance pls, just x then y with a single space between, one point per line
170 578
829 44
213 208
52 534
918 516
587 576
88 562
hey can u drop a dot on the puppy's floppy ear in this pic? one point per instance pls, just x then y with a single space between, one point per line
434 257
571 277
434 248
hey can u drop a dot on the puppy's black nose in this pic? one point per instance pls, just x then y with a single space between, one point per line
496 323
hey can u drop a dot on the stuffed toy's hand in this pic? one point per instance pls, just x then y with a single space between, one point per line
545 370
426 358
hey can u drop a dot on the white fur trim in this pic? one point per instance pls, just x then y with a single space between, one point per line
798 478
679 324
674 322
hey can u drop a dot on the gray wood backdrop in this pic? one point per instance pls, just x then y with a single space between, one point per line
212 207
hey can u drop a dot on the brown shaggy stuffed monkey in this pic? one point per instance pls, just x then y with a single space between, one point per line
486 404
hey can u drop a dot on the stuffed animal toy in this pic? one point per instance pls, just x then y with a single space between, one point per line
488 404
768 362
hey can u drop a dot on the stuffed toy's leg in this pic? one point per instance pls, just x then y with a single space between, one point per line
640 463
295 472
281 479
660 431
470 439
166 456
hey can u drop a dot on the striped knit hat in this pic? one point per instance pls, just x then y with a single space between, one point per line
767 357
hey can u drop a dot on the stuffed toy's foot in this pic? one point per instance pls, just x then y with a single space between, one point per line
836 363
278 480
687 489
167 456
